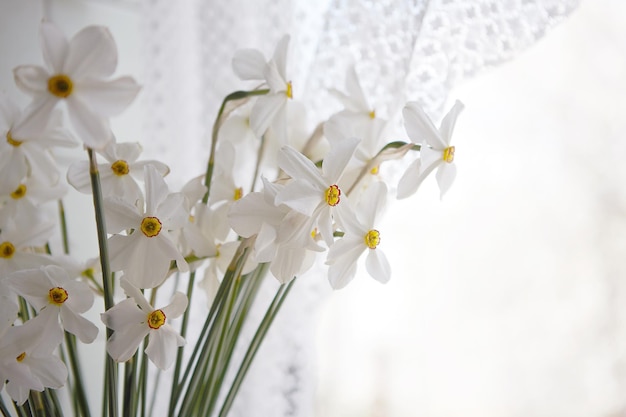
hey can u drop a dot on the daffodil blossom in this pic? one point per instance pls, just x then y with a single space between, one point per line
269 110
146 253
435 152
313 192
118 175
23 155
27 196
17 237
283 234
50 290
76 73
134 318
360 236
26 359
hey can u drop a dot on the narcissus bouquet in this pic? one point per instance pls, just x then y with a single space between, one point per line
223 233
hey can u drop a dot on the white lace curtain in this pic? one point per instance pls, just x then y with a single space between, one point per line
403 49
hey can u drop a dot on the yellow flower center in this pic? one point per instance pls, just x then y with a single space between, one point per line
19 192
57 296
238 193
6 250
21 357
332 195
372 114
12 141
372 239
120 167
448 154
374 171
60 85
289 91
156 319
151 226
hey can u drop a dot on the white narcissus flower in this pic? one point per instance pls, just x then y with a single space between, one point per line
27 196
435 152
118 175
17 237
134 318
28 155
311 192
146 253
51 291
26 359
360 236
77 72
269 110
283 235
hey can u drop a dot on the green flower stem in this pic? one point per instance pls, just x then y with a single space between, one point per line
252 283
110 375
79 387
257 166
49 407
35 401
264 326
23 410
206 328
237 95
3 408
183 333
55 401
64 235
143 378
214 386
193 398
130 387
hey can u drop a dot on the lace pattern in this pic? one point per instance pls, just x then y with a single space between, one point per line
412 49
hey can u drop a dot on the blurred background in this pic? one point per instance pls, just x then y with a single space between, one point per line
507 296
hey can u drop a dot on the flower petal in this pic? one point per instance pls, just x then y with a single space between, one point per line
177 306
91 128
124 314
448 122
55 46
156 189
79 326
298 166
162 346
280 56
377 265
300 196
120 215
337 159
108 98
92 54
78 177
248 64
124 343
420 128
264 111
31 79
445 177
35 117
